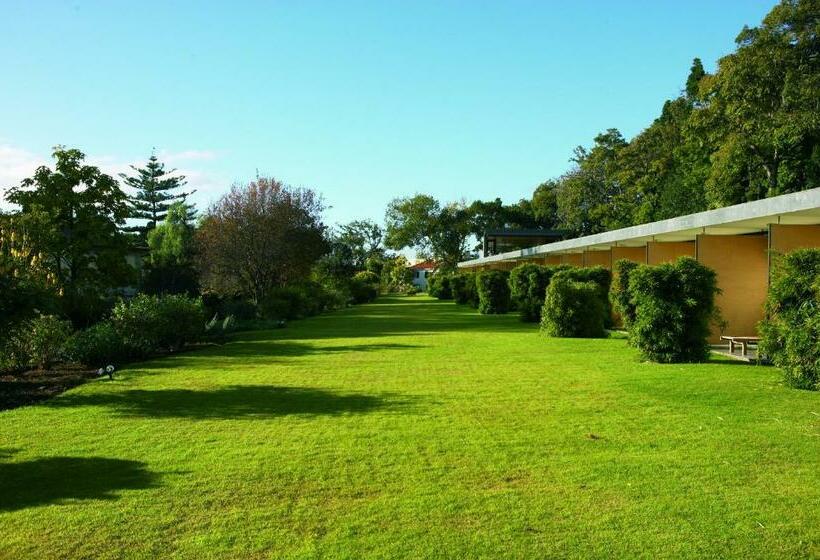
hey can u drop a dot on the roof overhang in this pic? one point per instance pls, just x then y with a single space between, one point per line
800 208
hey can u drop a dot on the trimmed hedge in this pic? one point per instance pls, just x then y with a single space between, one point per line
573 309
674 305
790 333
493 292
528 287
602 278
438 286
620 291
463 286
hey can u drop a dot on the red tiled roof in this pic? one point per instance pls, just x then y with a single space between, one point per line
424 265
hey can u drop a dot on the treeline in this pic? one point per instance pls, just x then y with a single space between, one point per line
77 249
751 130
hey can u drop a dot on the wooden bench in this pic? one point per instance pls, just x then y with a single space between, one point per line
743 341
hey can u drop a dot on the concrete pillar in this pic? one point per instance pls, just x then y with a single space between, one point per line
658 252
741 264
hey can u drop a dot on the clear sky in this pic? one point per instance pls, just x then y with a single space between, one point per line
363 101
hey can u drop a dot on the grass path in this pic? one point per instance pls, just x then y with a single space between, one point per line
412 428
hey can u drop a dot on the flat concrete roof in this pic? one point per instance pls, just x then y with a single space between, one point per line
751 217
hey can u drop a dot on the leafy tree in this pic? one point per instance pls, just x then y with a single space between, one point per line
436 231
157 189
762 109
72 215
170 262
259 237
545 204
363 238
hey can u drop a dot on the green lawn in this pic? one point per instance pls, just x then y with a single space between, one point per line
418 429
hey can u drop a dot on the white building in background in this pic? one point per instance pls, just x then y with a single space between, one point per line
421 272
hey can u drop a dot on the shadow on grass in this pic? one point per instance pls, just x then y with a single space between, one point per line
55 480
237 401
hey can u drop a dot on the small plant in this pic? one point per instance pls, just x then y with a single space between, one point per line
493 292
573 309
790 333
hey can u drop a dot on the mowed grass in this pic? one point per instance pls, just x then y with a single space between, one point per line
412 428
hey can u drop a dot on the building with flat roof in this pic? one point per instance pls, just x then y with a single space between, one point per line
737 242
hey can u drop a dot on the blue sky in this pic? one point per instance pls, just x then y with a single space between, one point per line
363 101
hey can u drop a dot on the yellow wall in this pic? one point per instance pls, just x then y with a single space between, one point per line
741 264
598 258
574 259
785 238
658 252
552 260
634 254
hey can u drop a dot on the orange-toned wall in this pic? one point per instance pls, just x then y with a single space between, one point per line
658 252
785 238
598 258
742 266
552 260
634 254
574 259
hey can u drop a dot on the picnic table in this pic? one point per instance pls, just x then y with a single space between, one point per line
743 341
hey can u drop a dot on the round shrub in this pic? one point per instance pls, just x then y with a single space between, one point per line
363 292
790 332
602 278
620 291
528 287
150 324
367 277
493 292
573 309
674 305
463 286
97 346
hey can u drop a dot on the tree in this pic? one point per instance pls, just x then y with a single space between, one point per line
436 231
72 215
363 238
260 236
762 108
155 194
169 266
545 204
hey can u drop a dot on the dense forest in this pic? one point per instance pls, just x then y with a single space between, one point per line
749 130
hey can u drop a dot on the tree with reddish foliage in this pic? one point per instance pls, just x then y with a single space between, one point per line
260 236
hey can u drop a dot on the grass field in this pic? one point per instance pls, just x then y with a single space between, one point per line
412 428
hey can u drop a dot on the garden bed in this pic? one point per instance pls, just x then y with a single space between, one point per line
20 389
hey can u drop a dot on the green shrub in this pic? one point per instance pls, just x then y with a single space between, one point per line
367 277
573 309
602 278
150 324
790 333
463 286
438 285
620 291
411 290
362 291
528 287
674 305
98 346
493 292
41 341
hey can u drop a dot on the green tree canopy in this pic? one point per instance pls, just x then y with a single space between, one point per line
156 190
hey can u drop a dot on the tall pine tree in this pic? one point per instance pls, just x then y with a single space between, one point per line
157 189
